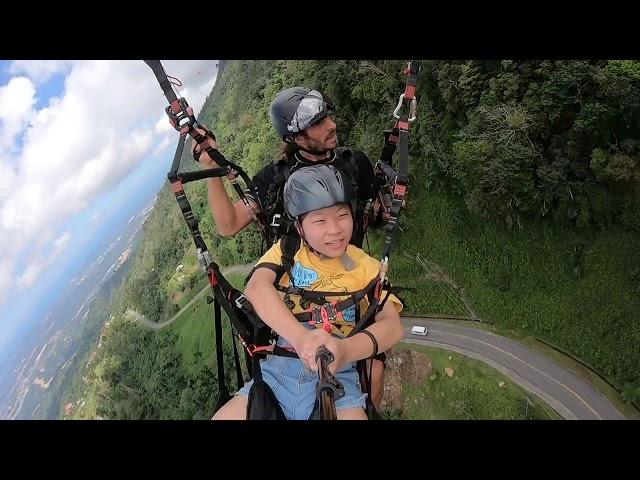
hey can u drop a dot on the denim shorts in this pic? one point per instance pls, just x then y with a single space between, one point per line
295 386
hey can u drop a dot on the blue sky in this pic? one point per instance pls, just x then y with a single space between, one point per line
80 143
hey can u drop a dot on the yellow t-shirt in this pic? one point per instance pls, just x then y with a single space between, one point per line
311 272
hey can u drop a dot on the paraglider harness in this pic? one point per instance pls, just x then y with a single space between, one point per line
256 337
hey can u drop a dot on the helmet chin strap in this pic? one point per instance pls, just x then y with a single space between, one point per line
303 238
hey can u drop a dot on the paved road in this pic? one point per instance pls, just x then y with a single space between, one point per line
571 397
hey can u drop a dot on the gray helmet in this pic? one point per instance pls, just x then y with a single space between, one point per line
314 187
297 108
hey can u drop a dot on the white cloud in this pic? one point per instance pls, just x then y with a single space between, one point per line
31 273
7 177
17 99
6 269
79 147
95 219
37 265
62 241
39 70
165 143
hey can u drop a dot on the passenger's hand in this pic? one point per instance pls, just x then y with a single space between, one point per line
204 159
337 346
308 345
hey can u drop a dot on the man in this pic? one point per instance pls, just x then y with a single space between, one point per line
301 118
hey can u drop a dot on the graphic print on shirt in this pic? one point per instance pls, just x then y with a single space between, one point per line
306 277
303 276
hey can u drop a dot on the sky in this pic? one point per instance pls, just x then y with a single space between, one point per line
80 142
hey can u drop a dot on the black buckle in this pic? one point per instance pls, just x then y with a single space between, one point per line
323 313
296 291
391 133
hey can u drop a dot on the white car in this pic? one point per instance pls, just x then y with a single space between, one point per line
419 330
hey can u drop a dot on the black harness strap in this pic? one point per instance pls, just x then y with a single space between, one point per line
184 121
276 268
223 391
339 306
290 243
399 134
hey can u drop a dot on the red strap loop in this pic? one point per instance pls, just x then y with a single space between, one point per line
399 190
409 92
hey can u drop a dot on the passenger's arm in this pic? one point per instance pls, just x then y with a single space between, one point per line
387 330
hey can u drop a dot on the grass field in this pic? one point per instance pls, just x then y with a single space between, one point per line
579 290
474 391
